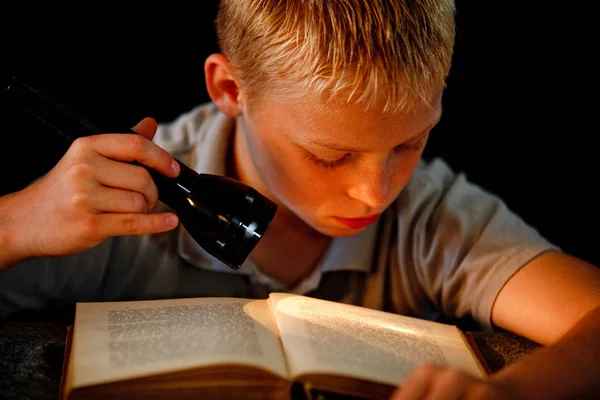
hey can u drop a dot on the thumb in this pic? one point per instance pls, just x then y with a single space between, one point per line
146 127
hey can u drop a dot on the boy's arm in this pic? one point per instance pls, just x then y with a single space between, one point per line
553 300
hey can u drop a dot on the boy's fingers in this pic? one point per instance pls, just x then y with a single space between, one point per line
146 127
134 147
111 200
135 224
134 178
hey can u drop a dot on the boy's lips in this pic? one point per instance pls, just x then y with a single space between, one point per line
356 223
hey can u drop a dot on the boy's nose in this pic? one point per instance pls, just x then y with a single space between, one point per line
372 186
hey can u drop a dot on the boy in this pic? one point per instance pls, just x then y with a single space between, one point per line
325 107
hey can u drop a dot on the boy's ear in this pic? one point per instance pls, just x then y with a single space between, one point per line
221 85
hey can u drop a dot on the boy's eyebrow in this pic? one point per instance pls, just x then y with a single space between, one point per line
334 146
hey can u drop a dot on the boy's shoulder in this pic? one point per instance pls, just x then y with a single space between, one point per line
460 241
435 172
442 195
181 134
194 116
433 177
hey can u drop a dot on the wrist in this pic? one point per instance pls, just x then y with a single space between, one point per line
12 231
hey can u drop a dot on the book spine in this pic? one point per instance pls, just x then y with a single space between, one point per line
62 391
305 391
475 350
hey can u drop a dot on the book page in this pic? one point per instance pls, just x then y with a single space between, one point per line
118 340
326 337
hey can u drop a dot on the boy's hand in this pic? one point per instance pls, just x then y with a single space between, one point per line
94 192
430 382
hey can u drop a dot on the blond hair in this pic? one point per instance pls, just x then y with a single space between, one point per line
349 50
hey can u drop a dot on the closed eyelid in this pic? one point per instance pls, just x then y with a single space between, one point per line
328 164
415 144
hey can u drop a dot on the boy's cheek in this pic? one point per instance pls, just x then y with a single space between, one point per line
302 185
294 179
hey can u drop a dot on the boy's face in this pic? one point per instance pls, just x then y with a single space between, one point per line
336 168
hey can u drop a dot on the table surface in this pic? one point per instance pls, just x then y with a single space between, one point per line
31 356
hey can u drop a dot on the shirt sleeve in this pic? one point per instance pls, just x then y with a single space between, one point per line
462 242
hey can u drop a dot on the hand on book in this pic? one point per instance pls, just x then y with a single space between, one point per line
430 382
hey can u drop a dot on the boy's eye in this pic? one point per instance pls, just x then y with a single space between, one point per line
331 164
414 146
328 164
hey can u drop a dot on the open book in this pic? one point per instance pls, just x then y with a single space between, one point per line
242 348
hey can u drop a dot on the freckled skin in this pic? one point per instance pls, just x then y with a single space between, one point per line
270 154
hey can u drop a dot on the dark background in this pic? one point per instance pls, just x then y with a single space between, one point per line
519 114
